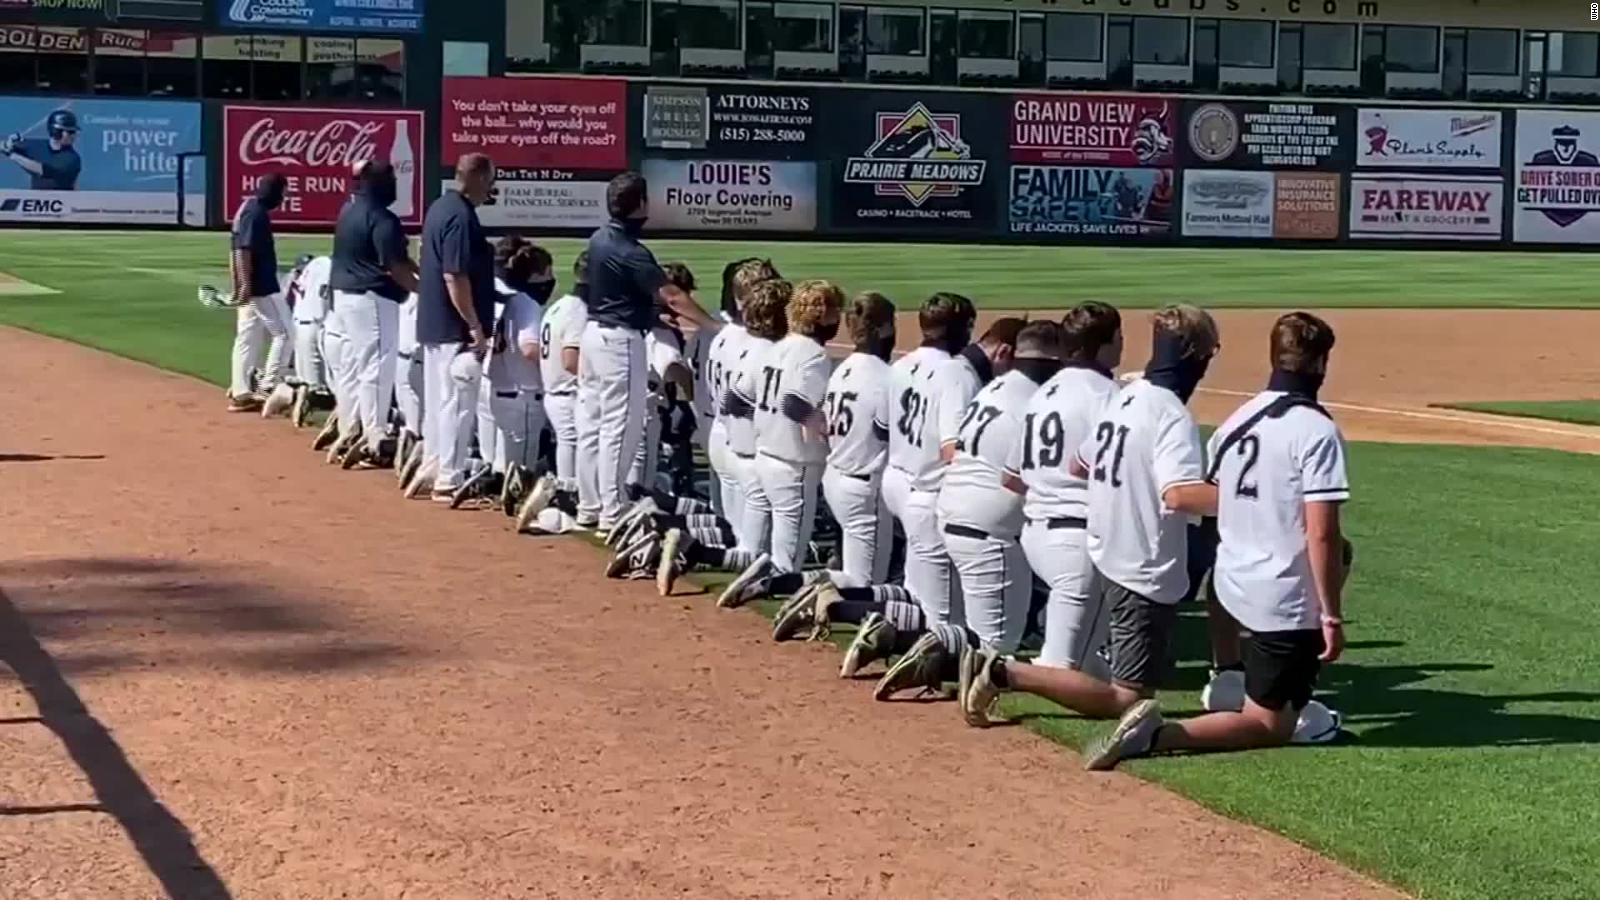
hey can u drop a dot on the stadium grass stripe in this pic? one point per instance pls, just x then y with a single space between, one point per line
1574 412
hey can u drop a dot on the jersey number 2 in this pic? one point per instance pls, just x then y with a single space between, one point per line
1250 449
1106 434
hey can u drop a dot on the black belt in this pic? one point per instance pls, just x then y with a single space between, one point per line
744 455
561 394
1061 522
406 356
866 478
508 395
639 331
964 531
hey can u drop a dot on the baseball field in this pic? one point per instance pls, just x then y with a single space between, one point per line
234 671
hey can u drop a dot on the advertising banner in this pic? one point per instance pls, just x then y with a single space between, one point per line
576 205
1091 201
1455 208
1558 177
1228 204
1089 128
1267 135
1307 206
713 195
573 124
317 149
1429 138
387 16
116 161
916 160
731 122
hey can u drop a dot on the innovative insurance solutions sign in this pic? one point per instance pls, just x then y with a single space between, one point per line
386 16
1264 170
120 166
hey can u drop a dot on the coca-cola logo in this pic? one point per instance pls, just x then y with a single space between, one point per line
337 143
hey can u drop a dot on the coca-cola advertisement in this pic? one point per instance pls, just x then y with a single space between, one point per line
317 149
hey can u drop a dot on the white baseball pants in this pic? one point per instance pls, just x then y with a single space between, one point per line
996 585
725 484
310 368
372 328
562 412
611 392
450 397
929 575
408 388
791 491
1077 617
509 423
866 531
754 529
333 353
647 461
262 321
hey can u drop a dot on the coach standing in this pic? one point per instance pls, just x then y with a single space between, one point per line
372 275
253 259
455 313
625 284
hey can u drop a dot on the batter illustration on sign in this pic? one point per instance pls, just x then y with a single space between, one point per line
52 161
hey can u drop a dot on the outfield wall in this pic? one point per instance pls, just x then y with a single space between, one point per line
842 163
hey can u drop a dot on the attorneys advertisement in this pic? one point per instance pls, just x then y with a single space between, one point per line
730 122
1456 208
1267 135
552 203
1091 201
1558 177
1228 204
724 195
917 161
66 159
1429 138
373 16
1110 130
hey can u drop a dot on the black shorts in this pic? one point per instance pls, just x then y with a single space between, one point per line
1280 667
1141 637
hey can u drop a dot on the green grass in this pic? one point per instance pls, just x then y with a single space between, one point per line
1577 412
1470 689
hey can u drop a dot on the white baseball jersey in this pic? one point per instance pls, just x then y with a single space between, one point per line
913 444
315 297
744 380
991 425
796 366
722 360
1059 418
1264 481
562 329
857 406
517 322
1145 442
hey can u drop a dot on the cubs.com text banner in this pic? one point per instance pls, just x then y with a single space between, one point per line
73 160
317 149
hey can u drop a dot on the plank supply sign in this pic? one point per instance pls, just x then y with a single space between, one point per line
744 122
111 161
1458 208
1091 201
724 195
538 123
317 149
550 203
1429 138
915 163
1228 204
1558 177
1082 128
1266 135
388 16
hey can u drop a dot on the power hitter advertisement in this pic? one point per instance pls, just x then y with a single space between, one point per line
729 195
916 161
1424 207
64 159
1558 177
1074 200
317 149
1086 128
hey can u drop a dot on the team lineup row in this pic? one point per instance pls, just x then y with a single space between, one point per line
1009 459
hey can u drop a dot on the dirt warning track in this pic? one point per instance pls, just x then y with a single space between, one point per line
233 671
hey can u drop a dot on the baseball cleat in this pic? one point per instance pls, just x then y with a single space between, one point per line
921 667
301 408
413 461
978 690
329 434
874 640
344 443
472 487
671 566
402 455
245 403
738 591
806 609
535 503
446 497
1317 724
630 522
422 480
1133 735
279 402
512 491
623 560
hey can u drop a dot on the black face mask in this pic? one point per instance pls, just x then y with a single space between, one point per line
1171 369
581 291
270 193
827 333
540 291
1038 370
980 362
634 227
383 193
1304 384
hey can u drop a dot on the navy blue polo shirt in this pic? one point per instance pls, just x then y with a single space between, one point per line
623 279
61 164
252 232
367 241
453 243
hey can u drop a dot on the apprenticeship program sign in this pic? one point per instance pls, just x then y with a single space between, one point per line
387 16
723 195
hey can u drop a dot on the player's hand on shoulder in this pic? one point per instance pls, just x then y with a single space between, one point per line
10 143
